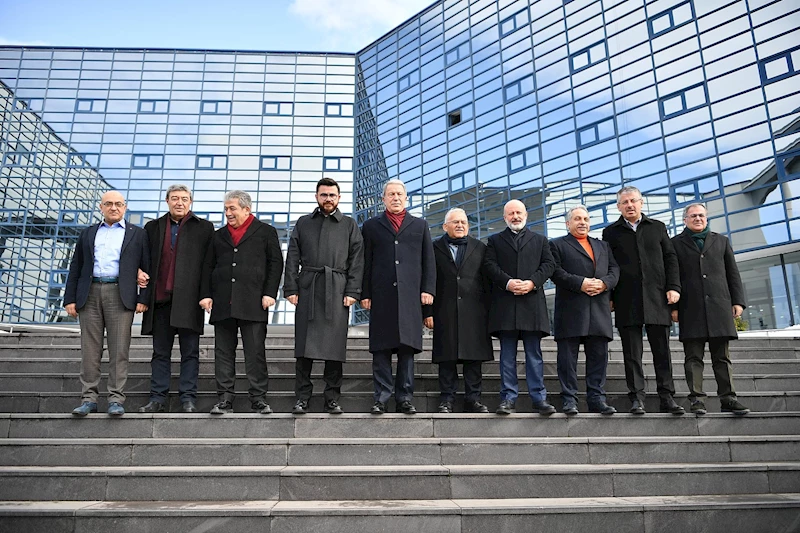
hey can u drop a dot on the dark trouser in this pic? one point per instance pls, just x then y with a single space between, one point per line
448 381
402 386
104 311
163 339
332 376
720 362
534 366
255 358
596 350
632 349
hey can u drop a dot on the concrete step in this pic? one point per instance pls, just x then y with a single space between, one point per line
753 513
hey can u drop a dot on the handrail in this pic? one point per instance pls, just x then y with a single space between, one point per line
26 327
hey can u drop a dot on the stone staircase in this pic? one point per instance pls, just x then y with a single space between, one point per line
356 472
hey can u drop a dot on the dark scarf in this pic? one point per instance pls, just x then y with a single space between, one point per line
461 247
166 269
396 220
700 237
238 233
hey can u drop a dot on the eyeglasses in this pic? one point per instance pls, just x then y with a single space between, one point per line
118 205
458 222
326 196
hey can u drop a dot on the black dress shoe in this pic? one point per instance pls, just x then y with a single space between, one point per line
570 408
603 408
506 407
333 408
378 408
637 408
446 407
188 407
544 408
698 407
300 407
261 407
733 406
152 407
407 408
475 407
222 408
669 406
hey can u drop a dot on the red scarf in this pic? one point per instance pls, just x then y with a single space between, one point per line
238 233
396 220
166 270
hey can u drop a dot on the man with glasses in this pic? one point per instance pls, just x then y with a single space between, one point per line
713 296
322 278
179 242
102 292
649 283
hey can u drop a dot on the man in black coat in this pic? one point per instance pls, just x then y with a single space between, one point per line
399 278
713 296
102 291
179 242
458 316
242 271
519 262
585 273
648 284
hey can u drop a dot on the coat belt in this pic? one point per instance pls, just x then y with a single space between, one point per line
329 272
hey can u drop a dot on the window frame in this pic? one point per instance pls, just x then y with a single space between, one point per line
276 158
669 12
216 107
92 103
518 83
587 50
792 68
278 114
682 94
513 18
338 159
597 140
523 153
155 107
213 158
147 166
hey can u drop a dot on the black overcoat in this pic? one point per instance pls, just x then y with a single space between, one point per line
461 307
577 314
527 259
236 277
398 267
324 263
711 286
648 268
192 246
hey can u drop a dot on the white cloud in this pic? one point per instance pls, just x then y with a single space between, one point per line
350 25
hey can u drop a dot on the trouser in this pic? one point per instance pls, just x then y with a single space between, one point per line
632 349
596 350
160 365
255 360
104 312
720 362
448 381
402 386
332 376
534 366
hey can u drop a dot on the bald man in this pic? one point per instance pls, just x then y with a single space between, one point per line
102 293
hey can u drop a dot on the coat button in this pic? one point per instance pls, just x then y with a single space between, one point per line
394 284
702 256
233 280
396 242
458 277
459 297
704 276
234 264
397 262
235 249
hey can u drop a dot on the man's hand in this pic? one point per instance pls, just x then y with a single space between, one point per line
140 308
737 311
426 299
674 315
266 302
673 297
523 287
71 310
592 286
347 301
142 278
428 322
292 299
207 304
513 285
366 303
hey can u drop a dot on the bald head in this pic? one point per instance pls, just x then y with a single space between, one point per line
515 215
112 205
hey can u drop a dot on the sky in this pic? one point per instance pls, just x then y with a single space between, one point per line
269 25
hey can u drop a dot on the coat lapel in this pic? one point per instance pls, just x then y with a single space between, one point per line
226 235
471 245
250 230
575 244
508 235
128 237
524 239
407 220
709 242
90 241
384 220
686 239
441 244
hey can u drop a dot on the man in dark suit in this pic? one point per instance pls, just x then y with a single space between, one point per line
519 262
399 278
458 316
241 275
713 296
102 290
178 245
648 284
585 273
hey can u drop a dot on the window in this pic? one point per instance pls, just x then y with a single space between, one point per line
697 190
19 159
29 104
338 164
408 80
212 162
90 106
587 57
459 52
596 133
83 160
517 20
518 88
147 161
339 110
684 101
670 19
153 106
278 108
276 162
454 118
408 138
780 66
523 159
215 107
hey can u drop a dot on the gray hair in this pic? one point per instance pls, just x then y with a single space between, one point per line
243 197
686 209
393 181
455 210
579 206
178 187
630 189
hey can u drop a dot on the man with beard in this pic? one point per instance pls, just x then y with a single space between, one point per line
519 262
242 272
323 275
399 278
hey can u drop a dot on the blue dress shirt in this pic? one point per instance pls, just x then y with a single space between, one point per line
107 249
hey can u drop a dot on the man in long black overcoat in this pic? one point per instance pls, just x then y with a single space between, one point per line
399 278
648 284
459 313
